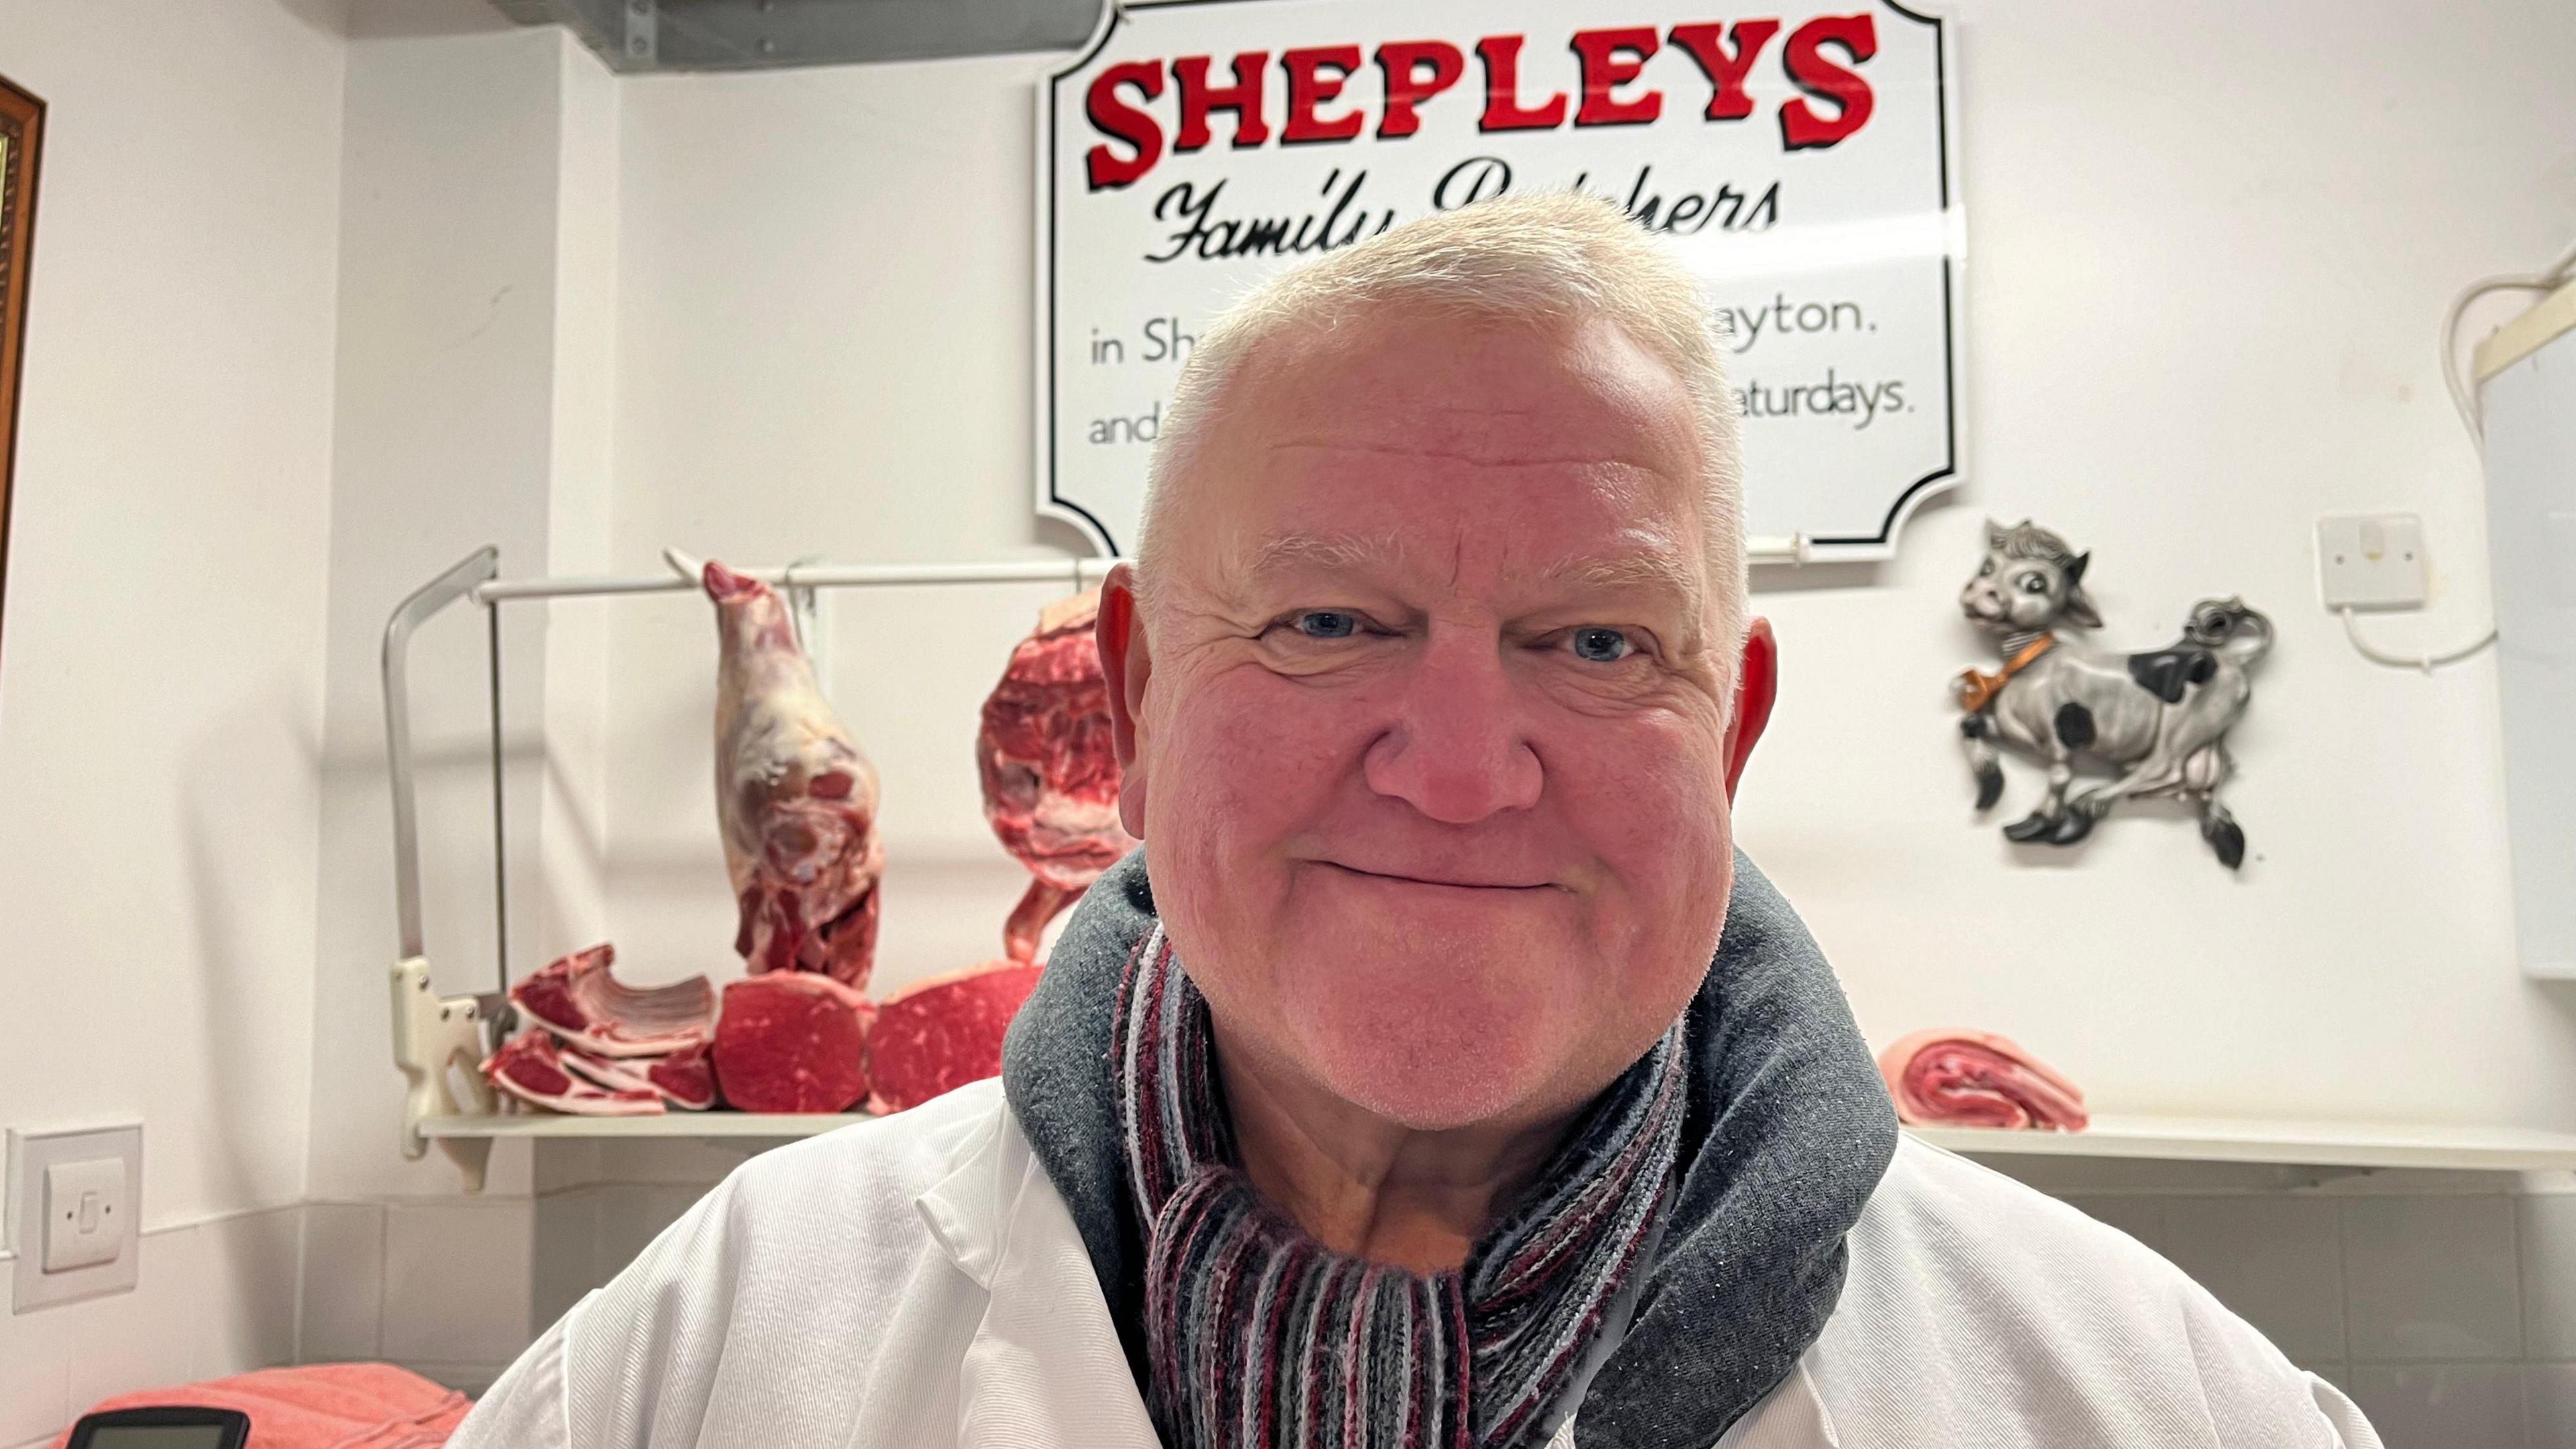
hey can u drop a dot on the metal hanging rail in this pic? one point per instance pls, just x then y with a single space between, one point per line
683 578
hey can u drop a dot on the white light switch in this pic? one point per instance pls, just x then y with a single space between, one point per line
74 1200
2373 561
85 1212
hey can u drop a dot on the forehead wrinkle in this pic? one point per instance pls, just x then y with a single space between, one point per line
1652 568
1282 552
1503 458
1648 568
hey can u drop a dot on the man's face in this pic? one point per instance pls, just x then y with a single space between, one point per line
1429 744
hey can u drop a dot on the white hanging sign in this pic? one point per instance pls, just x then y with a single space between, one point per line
1800 164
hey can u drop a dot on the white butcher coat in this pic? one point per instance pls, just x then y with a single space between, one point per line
916 1281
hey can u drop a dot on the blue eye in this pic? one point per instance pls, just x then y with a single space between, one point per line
1601 646
1327 624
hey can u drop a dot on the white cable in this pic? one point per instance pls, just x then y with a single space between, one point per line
2426 662
2548 279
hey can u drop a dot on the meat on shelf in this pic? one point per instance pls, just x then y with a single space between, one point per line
1962 1078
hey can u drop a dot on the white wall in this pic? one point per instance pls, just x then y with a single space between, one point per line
161 658
2209 247
478 252
823 349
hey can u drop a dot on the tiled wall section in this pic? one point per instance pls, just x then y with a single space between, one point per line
56 1362
2444 1303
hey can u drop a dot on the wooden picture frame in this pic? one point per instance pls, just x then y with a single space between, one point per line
22 128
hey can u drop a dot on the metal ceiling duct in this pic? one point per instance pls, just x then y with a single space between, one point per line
635 36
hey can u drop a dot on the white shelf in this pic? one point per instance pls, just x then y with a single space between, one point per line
2299 1144
2173 1139
670 1124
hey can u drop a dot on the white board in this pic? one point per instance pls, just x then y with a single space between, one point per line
1800 165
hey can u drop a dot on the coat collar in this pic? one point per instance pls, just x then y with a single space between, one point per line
1045 1367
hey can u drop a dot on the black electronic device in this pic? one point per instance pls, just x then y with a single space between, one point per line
162 1428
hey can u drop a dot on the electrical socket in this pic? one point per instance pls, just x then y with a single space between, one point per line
2371 561
75 1199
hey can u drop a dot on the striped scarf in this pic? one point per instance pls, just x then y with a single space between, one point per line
1259 1336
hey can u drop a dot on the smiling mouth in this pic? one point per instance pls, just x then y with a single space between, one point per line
1503 887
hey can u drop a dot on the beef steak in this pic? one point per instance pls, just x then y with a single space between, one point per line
935 1036
792 1041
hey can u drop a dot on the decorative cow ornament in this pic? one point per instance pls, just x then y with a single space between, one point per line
2159 719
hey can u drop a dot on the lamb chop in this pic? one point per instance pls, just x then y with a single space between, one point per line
1977 1079
530 1067
1050 775
684 1079
580 999
796 801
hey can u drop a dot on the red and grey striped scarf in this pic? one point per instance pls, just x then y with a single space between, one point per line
1258 1336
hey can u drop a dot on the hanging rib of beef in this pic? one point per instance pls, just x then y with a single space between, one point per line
1050 775
796 800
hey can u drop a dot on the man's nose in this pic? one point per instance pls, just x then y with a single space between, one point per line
1457 749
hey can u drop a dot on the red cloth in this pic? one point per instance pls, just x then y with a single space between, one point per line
320 1406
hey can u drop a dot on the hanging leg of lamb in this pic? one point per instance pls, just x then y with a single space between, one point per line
1977 1079
796 801
1050 775
580 999
530 1067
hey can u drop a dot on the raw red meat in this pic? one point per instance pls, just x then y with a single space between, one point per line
935 1036
530 1067
796 801
1050 775
582 1001
684 1079
792 1041
1977 1079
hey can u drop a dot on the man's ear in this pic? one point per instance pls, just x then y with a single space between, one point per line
1126 663
1757 682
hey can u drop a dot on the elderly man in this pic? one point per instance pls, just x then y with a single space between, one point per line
1438 1075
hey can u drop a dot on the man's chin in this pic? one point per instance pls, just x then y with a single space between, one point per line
1429 1066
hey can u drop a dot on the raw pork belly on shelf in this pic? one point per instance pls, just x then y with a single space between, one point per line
1977 1079
579 999
685 1079
792 1041
795 800
1050 775
530 1067
935 1036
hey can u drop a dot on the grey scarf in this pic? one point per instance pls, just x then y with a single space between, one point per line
1787 1132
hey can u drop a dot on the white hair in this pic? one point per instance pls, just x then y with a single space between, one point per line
1554 257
